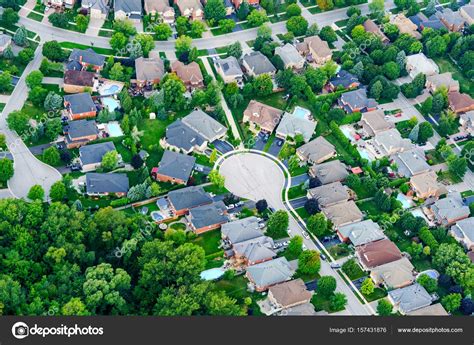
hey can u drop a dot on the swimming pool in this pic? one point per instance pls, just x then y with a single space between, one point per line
156 216
112 89
212 274
302 113
364 154
111 103
114 129
434 274
406 202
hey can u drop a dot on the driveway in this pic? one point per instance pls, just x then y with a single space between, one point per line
274 148
222 146
297 180
95 24
256 177
298 202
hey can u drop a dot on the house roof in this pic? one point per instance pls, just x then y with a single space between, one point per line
5 39
258 63
431 310
443 79
185 4
229 65
189 197
178 134
467 11
80 103
450 208
263 115
357 99
370 26
290 292
344 79
316 149
405 25
329 172
256 249
328 194
410 298
81 128
149 68
158 6
205 125
391 140
176 165
271 272
376 122
395 273
207 215
88 56
317 45
242 230
378 253
106 183
468 118
291 125
362 232
459 101
289 54
419 63
79 78
464 229
426 182
190 73
92 154
102 5
451 17
343 213
412 162
128 6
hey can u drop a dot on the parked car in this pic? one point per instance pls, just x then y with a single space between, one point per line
335 265
322 256
230 207
280 142
305 235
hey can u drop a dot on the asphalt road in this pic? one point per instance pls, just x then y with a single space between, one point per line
256 177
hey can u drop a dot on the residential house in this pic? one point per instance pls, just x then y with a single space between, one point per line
256 64
128 9
98 9
182 200
466 122
431 310
174 167
160 9
343 214
434 82
190 74
261 116
292 125
419 63
241 230
269 273
377 253
343 80
409 298
405 25
453 20
315 50
360 233
450 210
329 194
370 26
229 69
410 163
79 133
423 22
426 185
329 172
374 122
5 42
390 142
149 72
460 102
253 3
357 100
106 184
290 56
394 275
463 232
316 151
207 217
192 9
305 309
90 156
79 81
60 3
80 106
467 12
286 295
85 58
253 251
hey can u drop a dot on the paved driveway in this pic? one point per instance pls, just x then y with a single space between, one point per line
222 146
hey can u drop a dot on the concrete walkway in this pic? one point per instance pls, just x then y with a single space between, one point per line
53 80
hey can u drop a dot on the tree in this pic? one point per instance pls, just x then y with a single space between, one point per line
430 8
457 165
293 10
277 225
338 301
376 90
35 78
226 25
37 95
125 26
18 121
311 206
451 302
57 191
353 11
146 42
36 193
162 31
182 25
110 160
467 306
183 45
297 25
317 224
59 20
377 7
3 142
82 22
257 18
391 70
173 92
436 46
261 205
216 179
295 247
137 161
53 51
425 131
21 36
309 262
6 170
54 127
325 5
118 41
264 32
117 72
384 308
75 307
198 28
214 11
53 101
367 287
243 10
10 17
316 78
26 55
326 286
235 49
430 284
313 30
51 156
263 85
213 156
328 34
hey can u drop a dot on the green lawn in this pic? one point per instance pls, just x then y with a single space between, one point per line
359 273
35 16
377 294
71 45
153 130
446 65
216 190
302 213
237 288
339 251
369 206
296 192
209 241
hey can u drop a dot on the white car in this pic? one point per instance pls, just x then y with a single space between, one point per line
230 207
261 225
305 235
303 246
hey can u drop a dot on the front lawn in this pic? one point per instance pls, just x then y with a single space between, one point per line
303 213
377 294
339 251
216 190
356 274
296 192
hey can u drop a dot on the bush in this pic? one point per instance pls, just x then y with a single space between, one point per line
119 202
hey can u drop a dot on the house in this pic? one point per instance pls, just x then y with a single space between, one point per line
190 74
79 81
128 9
253 3
192 9
329 172
450 210
253 251
182 200
255 64
390 142
149 72
405 25
106 184
85 58
90 156
374 254
460 102
316 151
80 106
370 26
286 295
357 100
466 122
290 56
373 122
207 217
463 232
467 12
409 298
427 186
343 213
394 275
344 80
241 230
59 4
261 116
434 82
360 233
452 20
292 125
315 50
305 309
411 163
419 63
174 167
160 9
431 310
269 273
423 22
229 69
79 133
5 42
98 9
329 194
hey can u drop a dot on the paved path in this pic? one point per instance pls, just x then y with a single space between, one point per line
53 80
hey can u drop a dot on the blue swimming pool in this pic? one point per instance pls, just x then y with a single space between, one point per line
406 202
212 274
301 112
112 89
434 274
156 216
111 103
114 129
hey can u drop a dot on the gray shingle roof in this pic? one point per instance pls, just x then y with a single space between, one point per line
128 6
189 197
106 183
91 154
289 54
259 63
450 208
230 66
329 194
361 233
178 134
80 103
204 125
344 79
271 272
357 99
102 5
176 165
411 162
410 298
242 230
206 215
81 128
316 149
330 172
292 125
149 68
88 56
256 249
466 228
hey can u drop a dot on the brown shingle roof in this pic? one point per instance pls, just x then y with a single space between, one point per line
263 115
459 101
79 78
378 253
290 293
188 73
